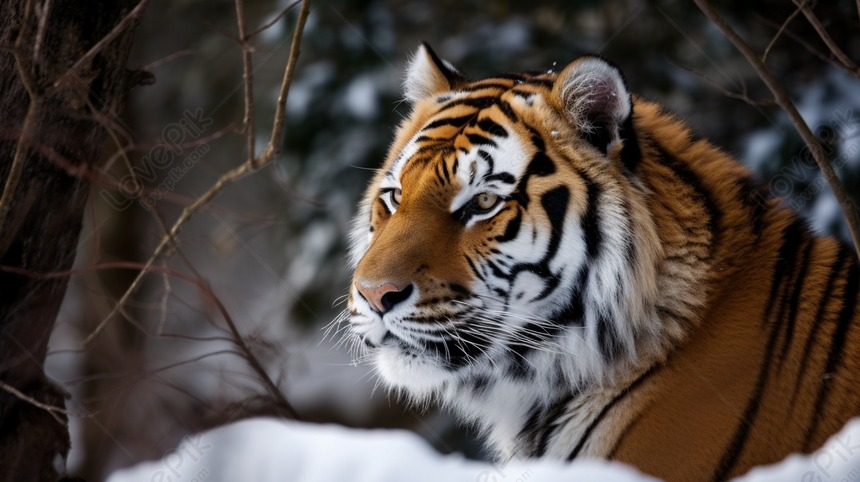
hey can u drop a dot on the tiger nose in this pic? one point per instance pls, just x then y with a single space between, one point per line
385 297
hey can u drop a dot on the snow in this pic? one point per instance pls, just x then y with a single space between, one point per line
264 450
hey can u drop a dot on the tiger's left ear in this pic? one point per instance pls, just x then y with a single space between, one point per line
428 75
593 93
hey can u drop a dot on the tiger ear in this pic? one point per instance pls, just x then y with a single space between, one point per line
593 93
428 75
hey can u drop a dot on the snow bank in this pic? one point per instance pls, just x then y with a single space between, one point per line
267 450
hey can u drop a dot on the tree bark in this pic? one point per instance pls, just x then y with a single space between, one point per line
48 132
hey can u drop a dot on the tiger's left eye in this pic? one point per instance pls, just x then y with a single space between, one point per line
396 195
486 200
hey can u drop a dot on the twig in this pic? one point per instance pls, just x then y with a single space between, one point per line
828 40
52 410
278 17
269 154
248 75
135 13
845 203
803 43
11 186
779 32
734 95
40 31
222 31
164 299
173 56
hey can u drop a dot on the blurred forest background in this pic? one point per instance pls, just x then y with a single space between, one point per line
273 245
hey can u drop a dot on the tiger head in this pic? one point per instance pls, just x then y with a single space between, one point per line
506 237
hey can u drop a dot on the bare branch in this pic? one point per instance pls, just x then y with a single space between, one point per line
248 75
52 410
40 32
779 32
845 203
222 31
278 17
135 13
728 93
173 56
828 40
809 48
270 154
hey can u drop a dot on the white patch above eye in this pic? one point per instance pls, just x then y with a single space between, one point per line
508 156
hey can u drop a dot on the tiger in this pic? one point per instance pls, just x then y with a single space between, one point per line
574 275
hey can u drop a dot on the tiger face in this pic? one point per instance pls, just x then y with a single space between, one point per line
503 230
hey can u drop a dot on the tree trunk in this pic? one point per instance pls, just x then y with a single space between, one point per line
48 132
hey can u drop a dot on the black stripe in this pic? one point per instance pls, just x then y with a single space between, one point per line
489 159
540 165
573 314
555 204
473 268
537 138
492 128
607 337
794 304
450 121
551 424
788 252
591 219
541 423
483 102
683 172
837 344
606 408
792 237
826 295
631 154
445 169
479 140
512 229
755 197
544 82
504 177
489 85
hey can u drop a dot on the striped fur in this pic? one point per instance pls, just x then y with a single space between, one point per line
634 294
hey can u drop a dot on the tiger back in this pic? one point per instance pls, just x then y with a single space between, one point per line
565 268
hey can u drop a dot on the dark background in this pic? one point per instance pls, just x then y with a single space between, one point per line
273 245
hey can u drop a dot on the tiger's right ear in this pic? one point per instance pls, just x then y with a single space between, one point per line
428 75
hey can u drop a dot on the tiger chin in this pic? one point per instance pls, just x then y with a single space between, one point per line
562 265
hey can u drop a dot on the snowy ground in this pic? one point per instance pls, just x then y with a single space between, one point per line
267 450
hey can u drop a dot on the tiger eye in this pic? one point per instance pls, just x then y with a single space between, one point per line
396 195
487 200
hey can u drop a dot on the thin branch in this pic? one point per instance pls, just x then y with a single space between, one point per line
803 43
40 31
173 56
222 31
270 154
828 40
779 32
845 203
728 93
135 13
52 410
164 298
248 75
278 17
